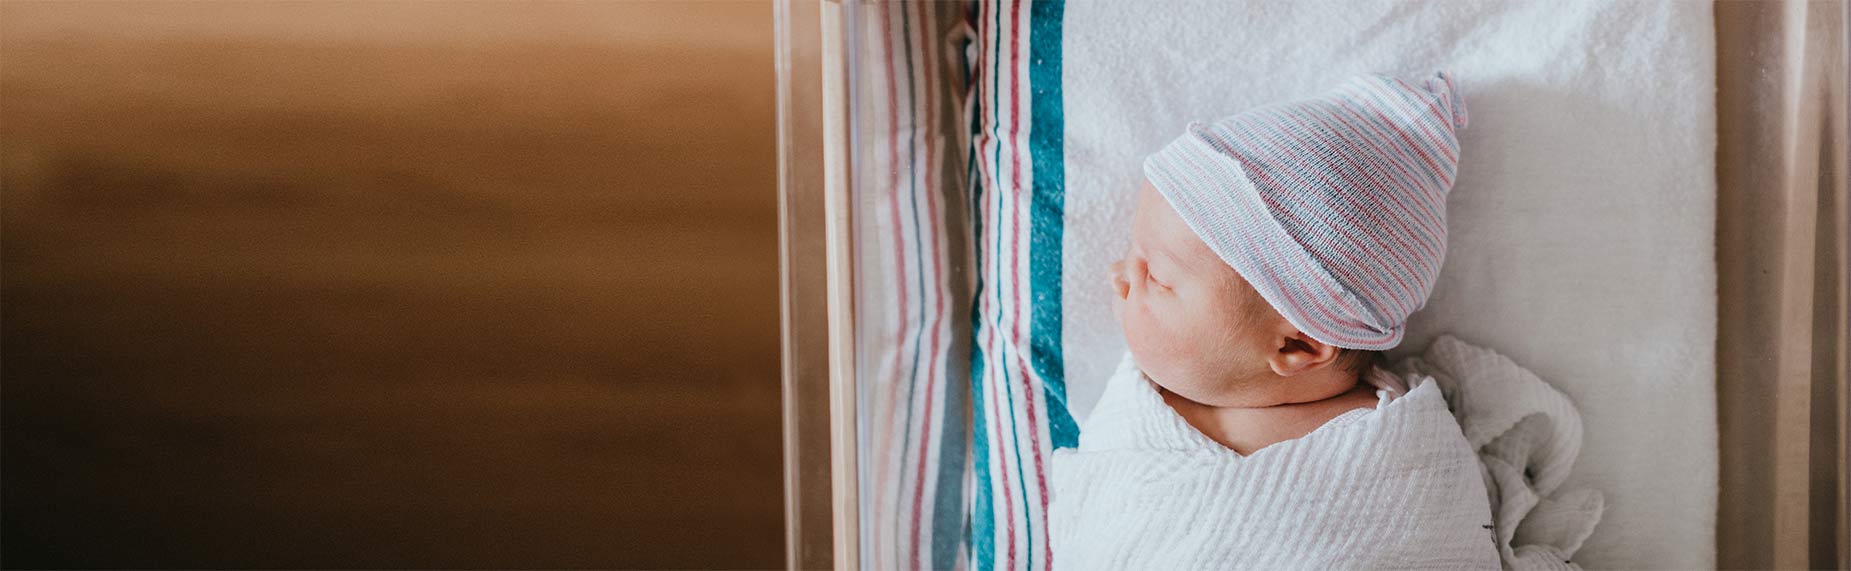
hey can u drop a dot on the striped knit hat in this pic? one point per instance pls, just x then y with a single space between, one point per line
1333 207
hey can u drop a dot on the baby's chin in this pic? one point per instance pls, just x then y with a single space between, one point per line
1210 396
1161 367
1181 369
1180 382
1214 388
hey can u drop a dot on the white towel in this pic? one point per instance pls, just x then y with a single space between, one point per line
1527 435
1395 487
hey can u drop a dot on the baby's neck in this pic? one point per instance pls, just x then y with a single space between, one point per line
1268 390
1295 407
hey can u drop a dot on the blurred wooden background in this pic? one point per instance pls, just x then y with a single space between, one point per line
388 284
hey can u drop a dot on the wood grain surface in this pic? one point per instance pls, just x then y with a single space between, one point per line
388 284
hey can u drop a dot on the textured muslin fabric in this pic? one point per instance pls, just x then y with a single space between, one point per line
1333 207
1528 435
1395 487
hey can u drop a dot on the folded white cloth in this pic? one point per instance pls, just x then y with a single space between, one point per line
1397 486
1527 435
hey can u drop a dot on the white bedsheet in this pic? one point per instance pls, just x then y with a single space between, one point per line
1581 225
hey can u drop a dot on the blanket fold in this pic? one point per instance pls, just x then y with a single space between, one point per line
1528 435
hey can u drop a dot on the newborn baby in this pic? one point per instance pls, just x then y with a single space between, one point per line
1272 255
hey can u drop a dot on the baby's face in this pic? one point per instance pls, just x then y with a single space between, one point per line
1193 324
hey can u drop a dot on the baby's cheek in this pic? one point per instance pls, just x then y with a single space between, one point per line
1130 322
1150 342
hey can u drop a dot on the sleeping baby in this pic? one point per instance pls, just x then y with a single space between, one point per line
1273 254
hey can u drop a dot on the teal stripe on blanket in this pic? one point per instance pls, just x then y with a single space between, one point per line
1008 503
983 508
1047 147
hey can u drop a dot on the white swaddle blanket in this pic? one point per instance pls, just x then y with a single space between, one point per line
1399 486
1527 435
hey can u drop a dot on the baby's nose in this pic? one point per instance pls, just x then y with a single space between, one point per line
1116 274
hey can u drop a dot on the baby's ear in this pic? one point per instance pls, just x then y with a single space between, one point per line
1298 353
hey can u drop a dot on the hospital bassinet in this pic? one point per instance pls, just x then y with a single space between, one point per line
1655 221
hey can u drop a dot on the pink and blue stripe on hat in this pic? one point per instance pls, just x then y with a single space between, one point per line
1333 207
